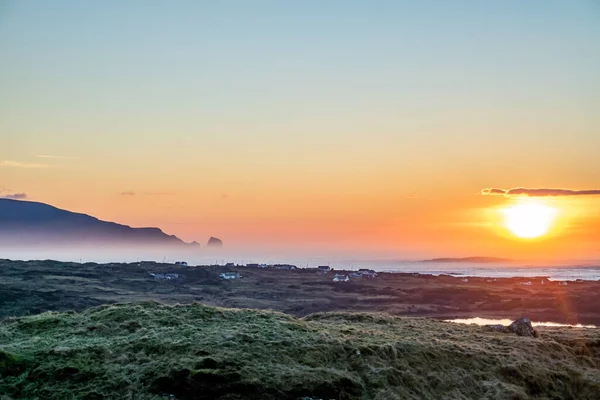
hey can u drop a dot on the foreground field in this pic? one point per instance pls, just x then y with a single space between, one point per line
37 286
149 351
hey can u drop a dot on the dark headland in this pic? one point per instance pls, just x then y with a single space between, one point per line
29 224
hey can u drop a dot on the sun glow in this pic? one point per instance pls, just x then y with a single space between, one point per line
529 220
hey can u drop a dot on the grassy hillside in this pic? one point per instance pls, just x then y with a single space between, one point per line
148 350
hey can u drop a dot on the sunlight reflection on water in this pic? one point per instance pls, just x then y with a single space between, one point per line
486 321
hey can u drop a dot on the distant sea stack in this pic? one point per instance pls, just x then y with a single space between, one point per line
214 242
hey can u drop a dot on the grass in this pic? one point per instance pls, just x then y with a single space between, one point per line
149 351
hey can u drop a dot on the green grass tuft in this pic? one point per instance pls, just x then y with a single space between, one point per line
148 350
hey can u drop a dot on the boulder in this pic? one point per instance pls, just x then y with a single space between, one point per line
522 327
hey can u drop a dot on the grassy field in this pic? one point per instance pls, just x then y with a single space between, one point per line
151 351
37 286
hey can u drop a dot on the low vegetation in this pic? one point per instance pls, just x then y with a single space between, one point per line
150 351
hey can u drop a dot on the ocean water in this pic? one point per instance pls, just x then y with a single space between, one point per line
567 271
561 271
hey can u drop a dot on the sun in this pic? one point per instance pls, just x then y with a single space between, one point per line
529 220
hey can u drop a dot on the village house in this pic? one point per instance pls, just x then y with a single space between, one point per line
528 283
367 273
252 265
355 275
184 263
324 268
230 275
340 278
285 266
165 277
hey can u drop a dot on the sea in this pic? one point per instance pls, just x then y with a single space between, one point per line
569 270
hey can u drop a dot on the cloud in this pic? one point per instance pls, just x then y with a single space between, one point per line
16 164
539 192
56 157
16 196
127 193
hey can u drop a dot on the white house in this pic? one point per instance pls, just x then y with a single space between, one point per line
340 278
528 283
230 275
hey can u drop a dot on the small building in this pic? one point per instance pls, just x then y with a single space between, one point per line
284 266
230 275
528 283
230 264
324 268
252 265
563 283
340 278
367 273
158 277
184 263
465 280
171 277
355 275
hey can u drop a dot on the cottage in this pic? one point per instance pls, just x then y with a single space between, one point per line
324 268
340 278
230 275
355 275
285 266
230 264
252 265
184 263
528 283
158 277
367 273
171 277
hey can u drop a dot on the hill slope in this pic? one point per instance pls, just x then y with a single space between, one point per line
24 223
148 351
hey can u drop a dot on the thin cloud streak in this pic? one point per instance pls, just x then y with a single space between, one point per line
56 157
17 164
539 192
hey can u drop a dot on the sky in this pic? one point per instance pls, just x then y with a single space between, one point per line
347 126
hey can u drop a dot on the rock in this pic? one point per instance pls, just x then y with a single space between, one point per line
522 327
215 242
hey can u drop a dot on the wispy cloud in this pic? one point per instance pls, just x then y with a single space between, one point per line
56 157
127 193
15 196
17 164
539 192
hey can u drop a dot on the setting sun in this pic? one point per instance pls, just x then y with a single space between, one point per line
529 220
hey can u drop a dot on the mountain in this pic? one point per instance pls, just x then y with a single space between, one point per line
24 223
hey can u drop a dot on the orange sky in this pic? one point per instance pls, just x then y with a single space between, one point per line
360 135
